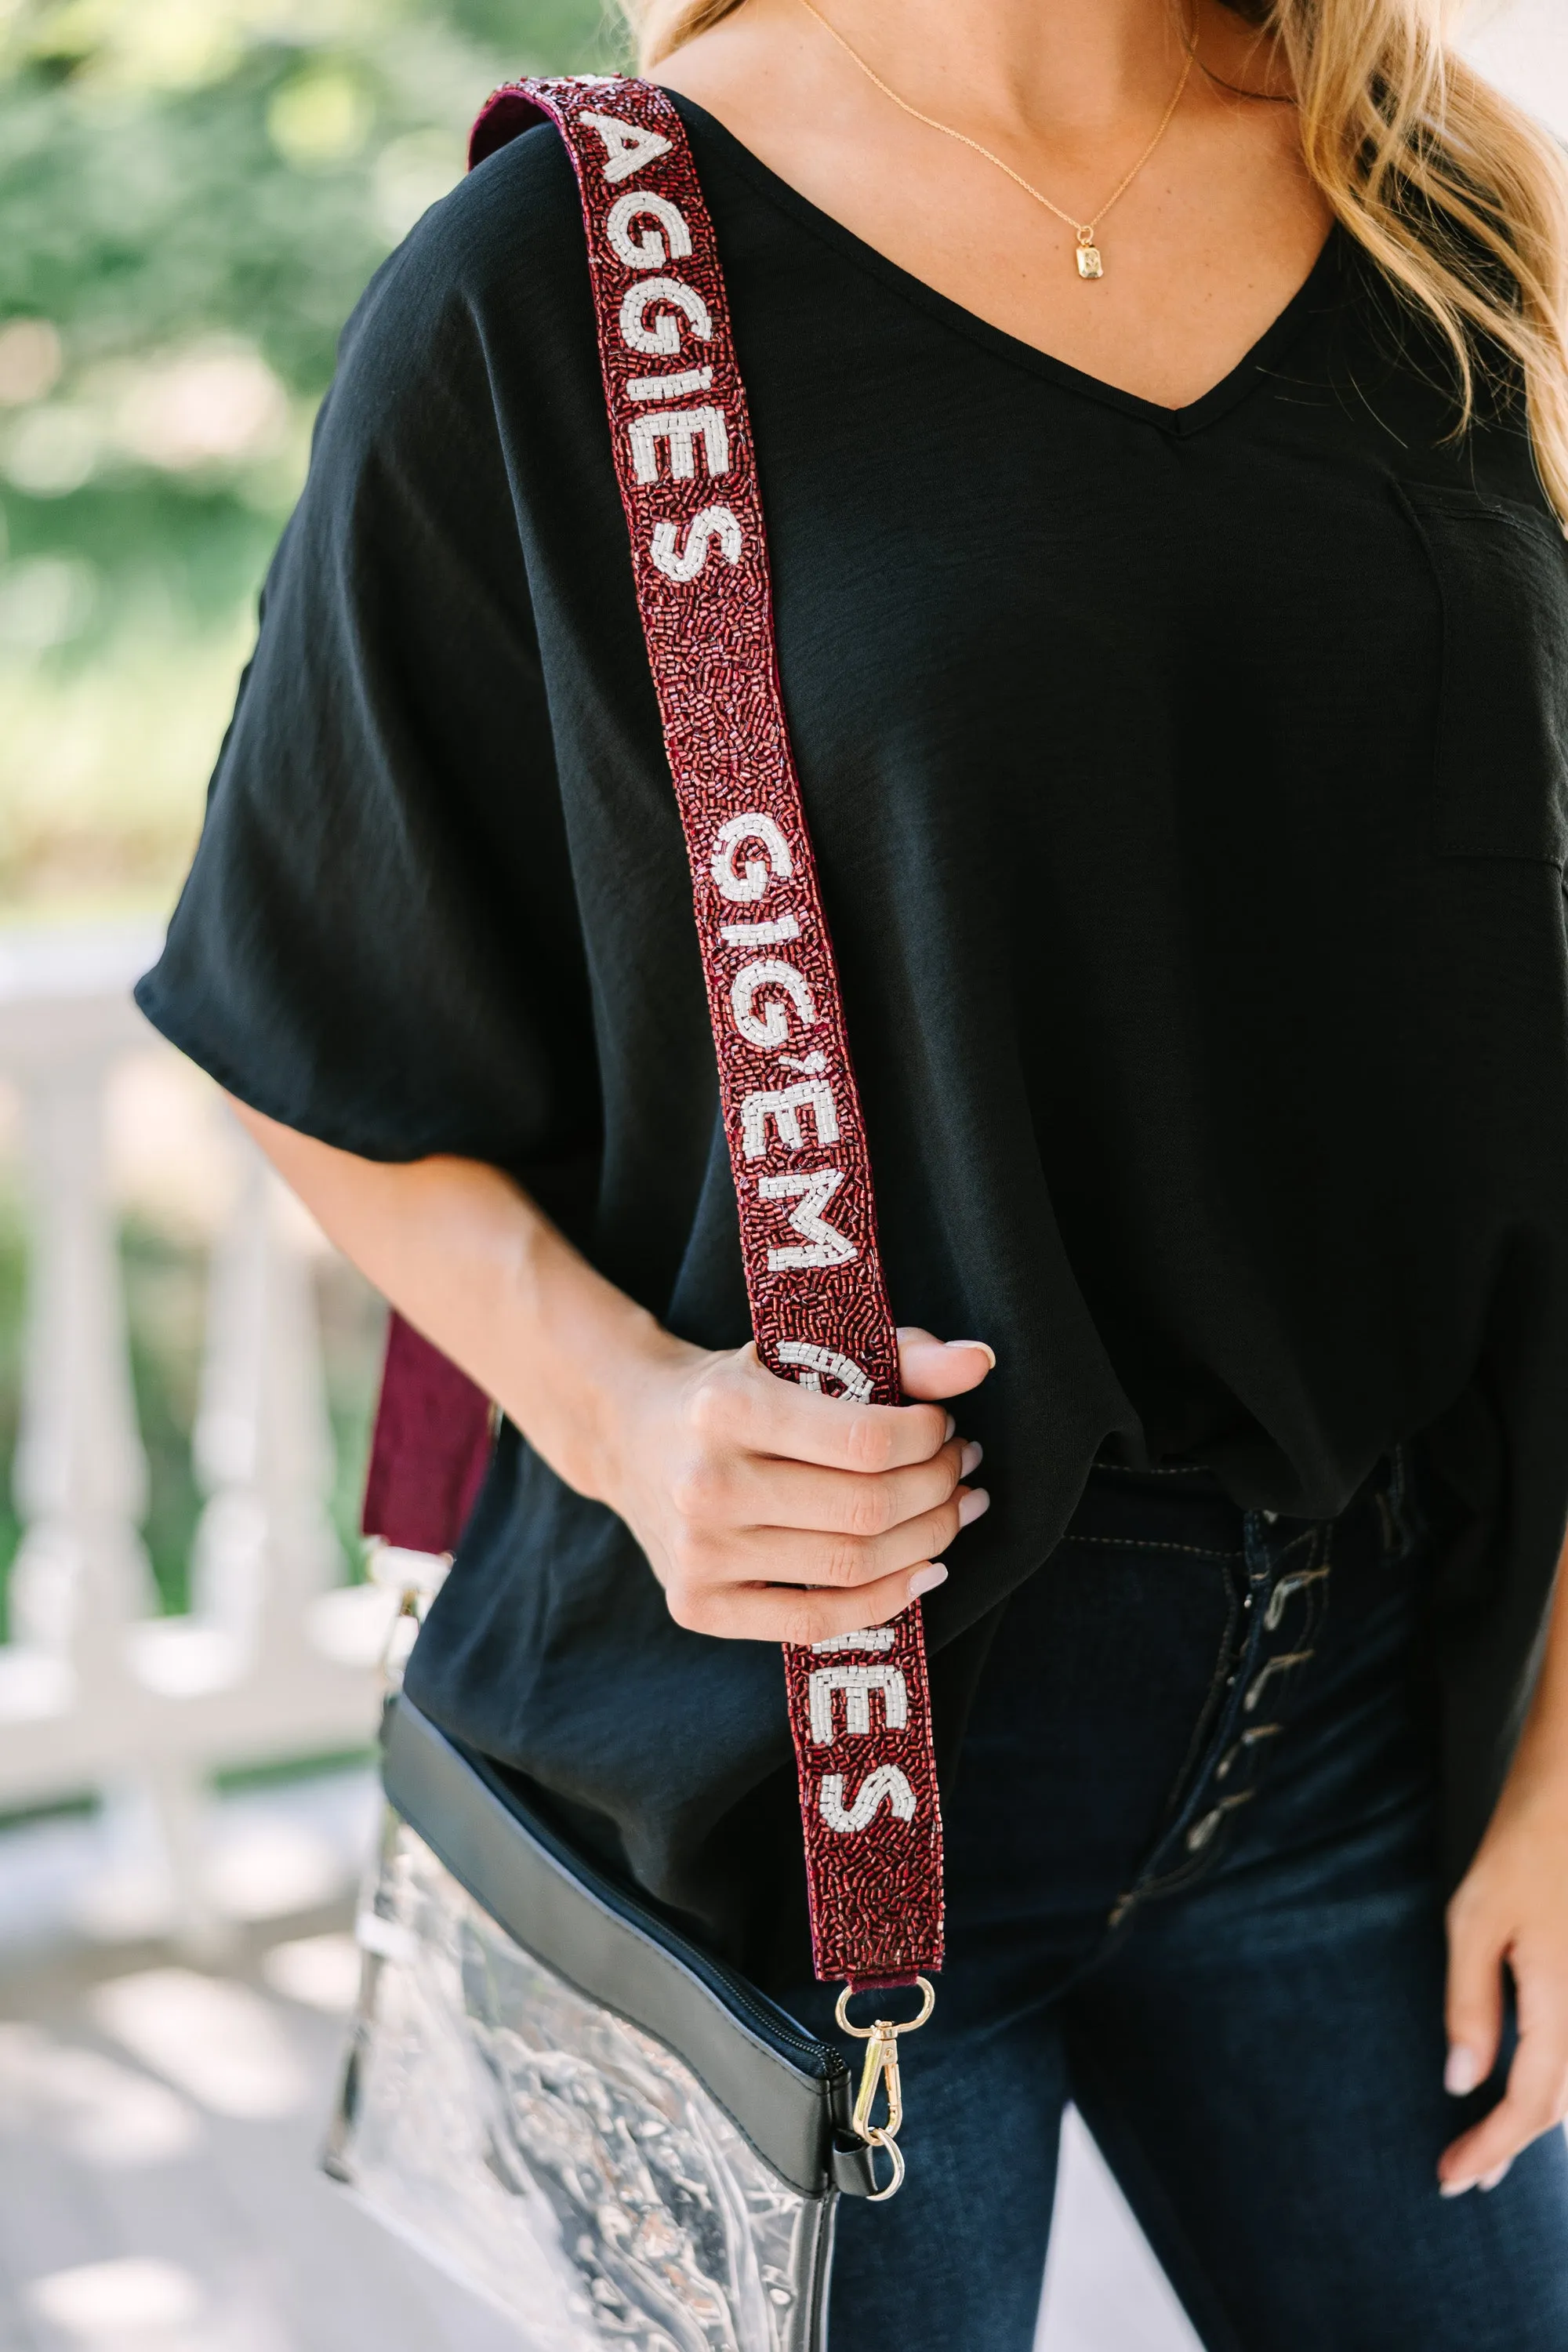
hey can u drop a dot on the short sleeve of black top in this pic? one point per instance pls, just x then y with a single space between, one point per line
1188 789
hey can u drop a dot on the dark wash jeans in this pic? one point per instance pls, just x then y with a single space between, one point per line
1193 1887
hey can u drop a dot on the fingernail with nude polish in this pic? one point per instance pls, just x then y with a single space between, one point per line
1462 2073
1499 2172
1455 2187
973 1507
927 1579
951 1431
970 1460
989 1353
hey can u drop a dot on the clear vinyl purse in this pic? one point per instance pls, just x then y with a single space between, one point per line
615 2139
611 2138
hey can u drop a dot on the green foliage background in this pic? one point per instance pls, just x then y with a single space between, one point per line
192 194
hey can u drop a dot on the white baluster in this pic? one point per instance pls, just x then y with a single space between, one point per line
279 1658
81 1573
266 1546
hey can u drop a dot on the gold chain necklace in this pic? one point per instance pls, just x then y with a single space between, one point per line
1091 261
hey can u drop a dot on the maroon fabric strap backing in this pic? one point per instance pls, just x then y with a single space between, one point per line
859 1706
431 1446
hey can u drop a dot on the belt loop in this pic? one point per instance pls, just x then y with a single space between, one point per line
1381 1491
1401 1512
1255 1527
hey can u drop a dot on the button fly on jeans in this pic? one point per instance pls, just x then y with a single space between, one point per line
1243 1746
1301 1581
1202 1831
1259 1682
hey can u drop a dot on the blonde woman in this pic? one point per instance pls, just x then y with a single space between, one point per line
1162 421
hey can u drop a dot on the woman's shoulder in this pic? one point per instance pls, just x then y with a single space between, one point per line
505 246
487 292
516 213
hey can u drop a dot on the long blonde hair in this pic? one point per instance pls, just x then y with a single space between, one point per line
1457 196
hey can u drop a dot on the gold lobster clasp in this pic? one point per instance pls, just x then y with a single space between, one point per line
880 2074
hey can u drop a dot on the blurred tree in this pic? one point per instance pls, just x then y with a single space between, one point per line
192 194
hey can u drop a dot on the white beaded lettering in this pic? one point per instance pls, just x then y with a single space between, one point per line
752 882
663 338
856 1682
823 1244
856 1384
783 1106
647 251
626 147
769 1027
669 387
867 1637
885 1786
765 935
683 428
678 562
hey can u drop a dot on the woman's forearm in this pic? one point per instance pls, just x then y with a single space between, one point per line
767 1512
461 1251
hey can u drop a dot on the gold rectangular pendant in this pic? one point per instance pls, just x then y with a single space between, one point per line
1090 264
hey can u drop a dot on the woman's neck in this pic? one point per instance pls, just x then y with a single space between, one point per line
1212 227
1025 71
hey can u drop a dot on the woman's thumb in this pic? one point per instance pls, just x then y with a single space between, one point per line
930 1367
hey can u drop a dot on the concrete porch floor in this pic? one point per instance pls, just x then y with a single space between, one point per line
160 2123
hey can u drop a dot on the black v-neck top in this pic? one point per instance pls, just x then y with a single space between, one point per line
1189 792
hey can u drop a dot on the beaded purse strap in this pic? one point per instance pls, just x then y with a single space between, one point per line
860 1705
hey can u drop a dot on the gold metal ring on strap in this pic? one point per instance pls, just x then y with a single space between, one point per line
885 2025
885 2140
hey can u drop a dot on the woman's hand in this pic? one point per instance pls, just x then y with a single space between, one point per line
771 1514
1512 1910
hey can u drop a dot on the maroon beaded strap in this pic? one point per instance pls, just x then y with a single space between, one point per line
860 1705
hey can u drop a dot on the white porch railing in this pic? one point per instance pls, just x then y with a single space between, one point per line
97 1692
